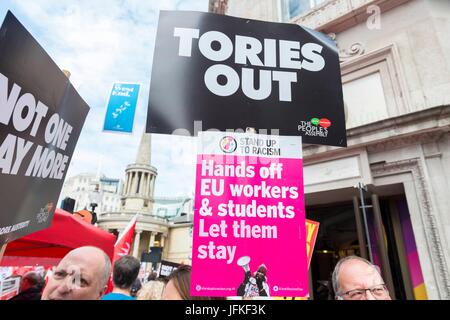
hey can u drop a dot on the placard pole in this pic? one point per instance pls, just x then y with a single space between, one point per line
2 251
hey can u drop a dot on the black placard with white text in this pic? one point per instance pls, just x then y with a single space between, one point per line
41 116
215 71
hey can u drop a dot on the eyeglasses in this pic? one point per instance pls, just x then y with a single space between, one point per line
379 291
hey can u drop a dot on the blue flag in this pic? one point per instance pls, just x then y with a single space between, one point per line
121 107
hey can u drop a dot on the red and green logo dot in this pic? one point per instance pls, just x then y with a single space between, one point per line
324 122
315 121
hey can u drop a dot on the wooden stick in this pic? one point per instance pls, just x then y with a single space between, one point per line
2 251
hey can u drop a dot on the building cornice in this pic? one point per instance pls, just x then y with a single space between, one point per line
139 166
181 225
218 6
338 15
118 220
137 196
417 127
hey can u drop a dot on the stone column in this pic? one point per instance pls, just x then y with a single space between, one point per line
130 187
145 191
163 238
149 181
153 186
152 238
127 183
135 181
127 190
137 241
143 180
165 246
144 183
138 182
124 191
141 183
130 181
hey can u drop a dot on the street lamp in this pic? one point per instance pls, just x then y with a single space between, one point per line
94 199
93 205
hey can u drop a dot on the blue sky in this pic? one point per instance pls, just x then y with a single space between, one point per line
101 42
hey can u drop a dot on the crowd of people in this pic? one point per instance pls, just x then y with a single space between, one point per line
84 274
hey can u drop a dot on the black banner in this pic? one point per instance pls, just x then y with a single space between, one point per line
166 268
41 116
215 71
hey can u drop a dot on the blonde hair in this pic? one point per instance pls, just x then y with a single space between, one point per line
152 290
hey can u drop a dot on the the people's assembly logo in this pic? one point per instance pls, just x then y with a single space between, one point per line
228 144
44 213
315 127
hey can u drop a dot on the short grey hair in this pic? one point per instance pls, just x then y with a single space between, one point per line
106 271
337 269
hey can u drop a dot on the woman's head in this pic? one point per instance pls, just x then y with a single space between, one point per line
152 290
262 269
178 283
135 287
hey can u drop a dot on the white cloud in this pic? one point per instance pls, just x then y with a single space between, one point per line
101 42
176 165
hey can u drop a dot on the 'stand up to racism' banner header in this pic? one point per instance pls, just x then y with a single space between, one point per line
230 73
249 223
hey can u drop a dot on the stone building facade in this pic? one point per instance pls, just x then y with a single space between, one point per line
395 65
88 188
160 221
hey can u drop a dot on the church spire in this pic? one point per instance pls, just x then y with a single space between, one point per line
137 195
144 151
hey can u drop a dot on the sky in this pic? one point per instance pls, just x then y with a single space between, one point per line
101 42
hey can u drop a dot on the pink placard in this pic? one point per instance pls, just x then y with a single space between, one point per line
249 216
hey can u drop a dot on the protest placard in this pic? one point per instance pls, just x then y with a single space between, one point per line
231 73
312 229
121 107
41 116
249 222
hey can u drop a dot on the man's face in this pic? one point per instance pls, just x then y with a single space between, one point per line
77 277
356 274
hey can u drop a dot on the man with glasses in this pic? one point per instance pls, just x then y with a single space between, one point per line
355 278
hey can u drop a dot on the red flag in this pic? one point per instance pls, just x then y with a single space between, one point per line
123 243
122 246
